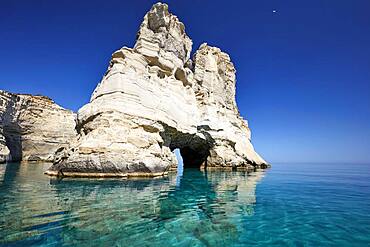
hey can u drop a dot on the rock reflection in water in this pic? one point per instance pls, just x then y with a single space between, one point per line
199 208
207 204
2 173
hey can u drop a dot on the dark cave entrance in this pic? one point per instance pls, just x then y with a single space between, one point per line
194 149
13 140
190 157
194 158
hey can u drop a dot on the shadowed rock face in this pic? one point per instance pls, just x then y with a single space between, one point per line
153 99
32 128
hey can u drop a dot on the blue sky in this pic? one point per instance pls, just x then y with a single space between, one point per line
303 72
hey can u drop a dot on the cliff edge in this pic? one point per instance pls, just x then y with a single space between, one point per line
33 128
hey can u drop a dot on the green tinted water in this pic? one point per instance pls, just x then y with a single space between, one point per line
288 205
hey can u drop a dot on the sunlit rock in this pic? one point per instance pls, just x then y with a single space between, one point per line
33 128
4 150
154 99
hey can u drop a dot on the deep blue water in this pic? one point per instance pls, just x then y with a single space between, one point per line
287 205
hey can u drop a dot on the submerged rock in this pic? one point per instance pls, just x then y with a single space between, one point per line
154 99
33 128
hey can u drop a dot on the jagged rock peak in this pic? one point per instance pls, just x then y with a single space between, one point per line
162 35
214 72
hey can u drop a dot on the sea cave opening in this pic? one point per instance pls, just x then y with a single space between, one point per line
13 141
190 158
191 151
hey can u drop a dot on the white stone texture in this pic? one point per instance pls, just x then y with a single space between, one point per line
32 128
154 99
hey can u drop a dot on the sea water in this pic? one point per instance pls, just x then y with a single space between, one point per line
287 205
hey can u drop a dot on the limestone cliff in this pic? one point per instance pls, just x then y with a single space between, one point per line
32 128
154 99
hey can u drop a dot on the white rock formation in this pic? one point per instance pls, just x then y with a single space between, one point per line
4 150
214 86
154 99
32 128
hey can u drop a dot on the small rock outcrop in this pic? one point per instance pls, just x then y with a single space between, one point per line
33 128
154 99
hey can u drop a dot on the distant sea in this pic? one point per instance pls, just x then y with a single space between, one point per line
287 205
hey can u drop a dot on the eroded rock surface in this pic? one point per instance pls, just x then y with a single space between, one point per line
153 99
4 150
33 128
214 85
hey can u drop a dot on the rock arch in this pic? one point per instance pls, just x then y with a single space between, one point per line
153 99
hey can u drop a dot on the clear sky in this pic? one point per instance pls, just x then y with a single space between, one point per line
303 67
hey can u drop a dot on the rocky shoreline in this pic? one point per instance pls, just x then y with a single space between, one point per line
33 128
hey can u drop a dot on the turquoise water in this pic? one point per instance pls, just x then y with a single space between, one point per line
288 205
